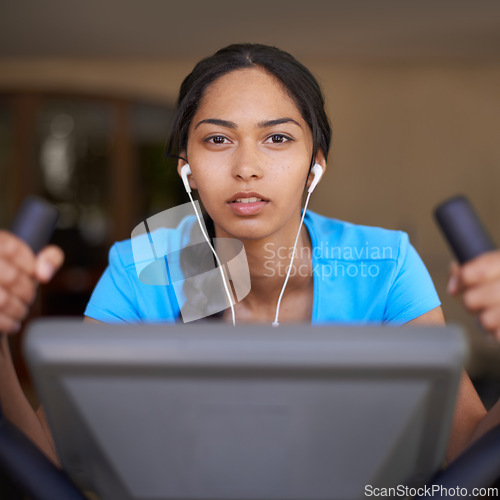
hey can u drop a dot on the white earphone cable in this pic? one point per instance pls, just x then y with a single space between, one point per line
275 322
226 288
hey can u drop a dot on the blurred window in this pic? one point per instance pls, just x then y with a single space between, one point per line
101 160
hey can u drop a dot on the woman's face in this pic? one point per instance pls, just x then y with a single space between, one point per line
249 150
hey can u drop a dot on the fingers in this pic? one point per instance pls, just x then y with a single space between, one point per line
15 251
483 269
478 283
17 311
48 261
16 282
484 300
478 297
490 319
20 273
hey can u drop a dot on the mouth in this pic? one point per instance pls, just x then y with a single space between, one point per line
247 197
247 203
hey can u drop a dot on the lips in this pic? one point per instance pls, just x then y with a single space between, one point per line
247 203
247 197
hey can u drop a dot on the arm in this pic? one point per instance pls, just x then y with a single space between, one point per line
20 273
471 420
18 410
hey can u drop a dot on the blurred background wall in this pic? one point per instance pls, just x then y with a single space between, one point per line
87 90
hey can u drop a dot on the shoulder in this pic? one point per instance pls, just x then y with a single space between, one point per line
146 246
126 290
355 239
365 273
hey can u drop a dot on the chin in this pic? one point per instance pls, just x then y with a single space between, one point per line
245 229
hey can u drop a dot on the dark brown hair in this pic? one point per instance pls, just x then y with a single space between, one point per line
296 79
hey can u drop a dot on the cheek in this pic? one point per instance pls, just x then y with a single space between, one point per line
292 176
206 165
210 183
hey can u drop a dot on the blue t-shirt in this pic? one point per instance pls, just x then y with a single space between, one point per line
361 274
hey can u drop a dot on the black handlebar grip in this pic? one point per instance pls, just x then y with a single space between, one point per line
462 228
35 222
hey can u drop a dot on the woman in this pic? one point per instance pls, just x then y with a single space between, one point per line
251 124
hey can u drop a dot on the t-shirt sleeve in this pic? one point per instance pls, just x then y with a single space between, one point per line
113 299
412 292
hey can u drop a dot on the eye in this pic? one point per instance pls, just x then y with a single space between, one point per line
278 139
217 139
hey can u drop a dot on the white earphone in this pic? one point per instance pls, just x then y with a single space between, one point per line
185 171
317 171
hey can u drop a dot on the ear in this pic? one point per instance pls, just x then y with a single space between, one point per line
320 159
180 164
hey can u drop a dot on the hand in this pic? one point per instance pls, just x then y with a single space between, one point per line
20 273
478 282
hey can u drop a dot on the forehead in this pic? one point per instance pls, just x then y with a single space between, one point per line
247 93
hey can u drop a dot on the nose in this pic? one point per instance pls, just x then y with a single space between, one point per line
247 164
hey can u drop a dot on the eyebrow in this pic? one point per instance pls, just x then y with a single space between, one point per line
232 125
216 121
279 121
